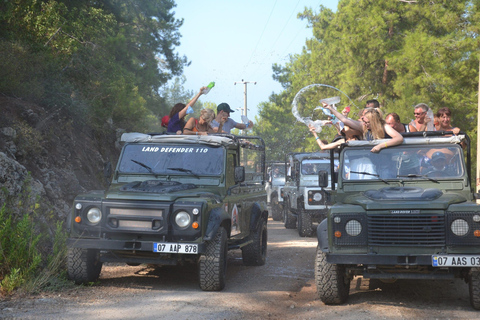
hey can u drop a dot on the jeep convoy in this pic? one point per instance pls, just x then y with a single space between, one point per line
304 201
407 212
174 199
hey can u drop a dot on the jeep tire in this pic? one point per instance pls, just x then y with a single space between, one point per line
474 287
304 223
83 265
289 221
255 253
212 267
332 284
276 209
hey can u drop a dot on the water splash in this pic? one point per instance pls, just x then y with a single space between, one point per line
318 124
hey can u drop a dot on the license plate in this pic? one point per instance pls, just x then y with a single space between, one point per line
455 261
175 248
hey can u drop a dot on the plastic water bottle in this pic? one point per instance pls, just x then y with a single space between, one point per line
430 126
331 101
245 121
329 114
209 87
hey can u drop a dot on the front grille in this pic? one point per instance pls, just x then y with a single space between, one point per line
134 216
406 230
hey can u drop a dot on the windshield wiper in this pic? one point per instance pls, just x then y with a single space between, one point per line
185 170
146 167
370 174
413 175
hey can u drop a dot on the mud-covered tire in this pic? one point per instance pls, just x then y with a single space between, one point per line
289 221
212 268
474 287
255 253
83 265
304 224
276 209
332 284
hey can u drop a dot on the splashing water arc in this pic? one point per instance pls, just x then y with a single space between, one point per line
318 124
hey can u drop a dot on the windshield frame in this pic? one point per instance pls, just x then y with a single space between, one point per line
387 158
179 164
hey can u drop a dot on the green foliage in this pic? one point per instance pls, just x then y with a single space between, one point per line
397 52
19 258
29 257
103 60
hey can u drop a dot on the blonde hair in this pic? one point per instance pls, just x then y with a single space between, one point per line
207 114
377 124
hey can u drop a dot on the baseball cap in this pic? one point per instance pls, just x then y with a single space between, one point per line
438 156
224 107
165 121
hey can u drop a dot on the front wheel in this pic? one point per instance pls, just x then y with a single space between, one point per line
289 221
276 209
83 265
474 287
333 286
255 253
305 224
212 267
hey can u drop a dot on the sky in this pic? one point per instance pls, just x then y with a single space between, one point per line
238 41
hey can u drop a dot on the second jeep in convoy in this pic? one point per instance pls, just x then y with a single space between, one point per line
174 199
407 212
304 201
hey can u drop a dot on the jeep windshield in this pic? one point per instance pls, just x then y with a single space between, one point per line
431 162
313 166
198 160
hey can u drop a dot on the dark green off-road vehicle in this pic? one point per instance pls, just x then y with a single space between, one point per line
175 199
407 212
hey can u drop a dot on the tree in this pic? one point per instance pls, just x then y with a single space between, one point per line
401 53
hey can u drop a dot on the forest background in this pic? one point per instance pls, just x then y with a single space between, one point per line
115 61
112 64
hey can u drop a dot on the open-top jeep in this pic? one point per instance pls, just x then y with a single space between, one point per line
274 188
304 201
174 199
407 212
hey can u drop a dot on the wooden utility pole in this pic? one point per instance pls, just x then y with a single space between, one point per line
245 93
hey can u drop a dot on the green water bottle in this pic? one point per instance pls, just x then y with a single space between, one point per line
209 87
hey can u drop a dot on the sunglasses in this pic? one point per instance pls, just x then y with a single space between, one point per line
418 113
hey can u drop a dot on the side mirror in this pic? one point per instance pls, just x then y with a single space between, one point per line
107 170
323 178
239 174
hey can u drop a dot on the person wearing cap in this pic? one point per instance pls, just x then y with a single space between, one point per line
223 115
165 120
439 165
178 113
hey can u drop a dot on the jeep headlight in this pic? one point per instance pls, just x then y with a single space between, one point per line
353 228
459 227
182 219
317 196
94 215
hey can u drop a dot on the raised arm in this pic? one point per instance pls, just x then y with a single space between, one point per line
183 112
354 124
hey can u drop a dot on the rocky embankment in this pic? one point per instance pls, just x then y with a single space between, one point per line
47 158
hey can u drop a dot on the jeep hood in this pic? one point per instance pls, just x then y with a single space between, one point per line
404 198
158 191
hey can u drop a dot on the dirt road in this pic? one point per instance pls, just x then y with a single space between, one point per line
282 289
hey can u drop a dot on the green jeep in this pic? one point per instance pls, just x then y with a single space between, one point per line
174 199
407 212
